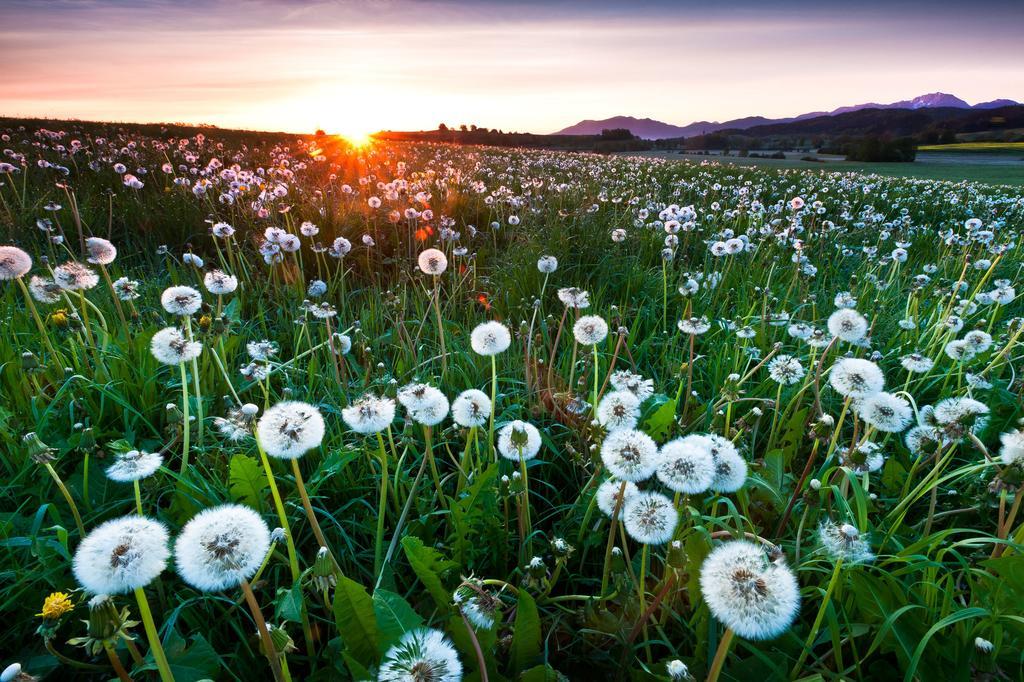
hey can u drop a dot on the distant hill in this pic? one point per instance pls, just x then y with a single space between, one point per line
650 129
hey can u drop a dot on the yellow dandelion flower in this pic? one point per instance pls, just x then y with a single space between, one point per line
56 605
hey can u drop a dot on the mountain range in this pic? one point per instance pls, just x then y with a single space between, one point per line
650 129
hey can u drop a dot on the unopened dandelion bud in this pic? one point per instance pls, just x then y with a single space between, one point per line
88 440
174 414
282 641
323 570
676 557
38 451
29 362
561 549
249 409
815 484
278 535
218 326
536 567
618 563
983 645
105 621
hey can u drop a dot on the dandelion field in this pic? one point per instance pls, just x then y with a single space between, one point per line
281 407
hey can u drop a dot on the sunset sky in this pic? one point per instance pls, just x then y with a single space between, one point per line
352 66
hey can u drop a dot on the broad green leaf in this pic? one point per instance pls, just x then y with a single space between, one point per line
429 566
247 481
356 621
526 637
394 617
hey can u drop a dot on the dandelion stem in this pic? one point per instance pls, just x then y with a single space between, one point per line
153 636
720 654
382 506
185 426
261 626
67 496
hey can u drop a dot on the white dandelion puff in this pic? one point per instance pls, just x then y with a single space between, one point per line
650 518
421 655
490 338
221 546
471 408
519 440
121 555
686 465
753 596
618 410
290 429
171 347
181 300
629 455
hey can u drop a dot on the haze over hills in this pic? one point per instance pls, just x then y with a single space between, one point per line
650 129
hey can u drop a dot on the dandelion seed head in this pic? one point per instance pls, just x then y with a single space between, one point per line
171 347
421 655
629 455
650 518
686 465
14 263
618 410
519 440
490 338
221 546
753 596
290 429
471 408
121 555
181 300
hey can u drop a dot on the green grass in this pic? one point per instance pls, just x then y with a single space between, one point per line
939 516
1014 147
923 168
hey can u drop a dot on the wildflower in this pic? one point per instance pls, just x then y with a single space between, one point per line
844 541
471 408
519 440
480 607
290 429
420 655
886 412
221 546
490 338
134 465
181 300
618 410
785 369
629 455
856 378
959 350
730 468
170 347
547 264
650 518
1012 450
916 363
72 276
218 282
865 458
431 409
126 289
369 414
101 251
261 350
848 325
56 605
433 262
44 289
121 555
608 495
624 380
755 597
694 326
340 248
978 340
14 263
960 416
575 298
590 330
677 671
686 464
222 230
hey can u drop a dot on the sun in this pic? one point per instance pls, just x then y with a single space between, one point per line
357 138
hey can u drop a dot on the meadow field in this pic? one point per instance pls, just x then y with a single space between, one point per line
284 407
1001 164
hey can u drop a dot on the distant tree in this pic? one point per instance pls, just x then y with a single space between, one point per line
442 127
463 127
